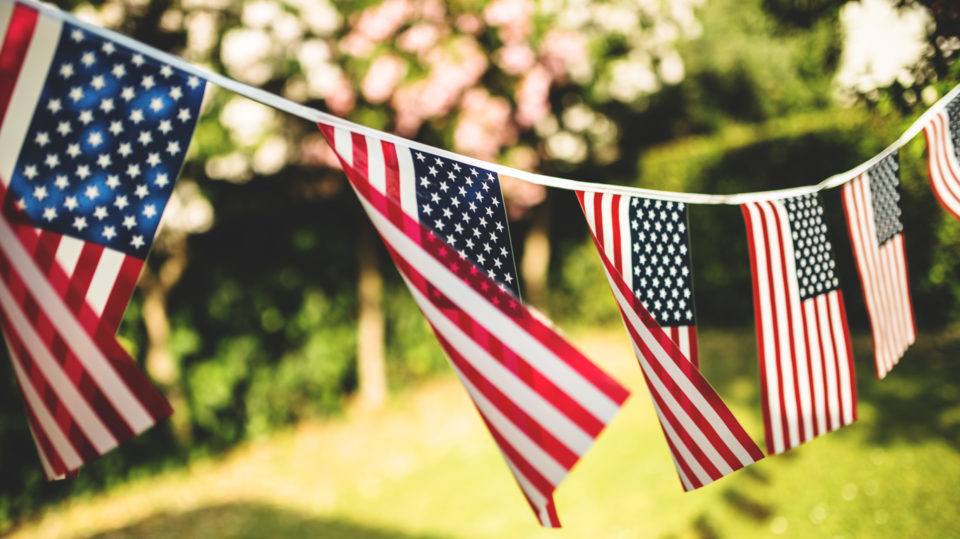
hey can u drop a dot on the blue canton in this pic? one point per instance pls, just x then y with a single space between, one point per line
953 127
106 143
662 279
885 193
816 267
463 205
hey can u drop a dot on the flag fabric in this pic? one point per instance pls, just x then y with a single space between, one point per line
443 223
942 133
806 362
92 138
872 205
645 250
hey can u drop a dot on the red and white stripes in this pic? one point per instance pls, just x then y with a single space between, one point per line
883 276
943 167
542 400
806 362
705 440
61 300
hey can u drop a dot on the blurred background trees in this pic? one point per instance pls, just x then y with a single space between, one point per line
267 284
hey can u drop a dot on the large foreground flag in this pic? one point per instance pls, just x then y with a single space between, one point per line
872 205
444 225
92 137
806 362
942 133
646 253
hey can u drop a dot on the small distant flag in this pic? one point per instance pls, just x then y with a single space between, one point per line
92 138
942 133
645 249
806 362
872 204
444 224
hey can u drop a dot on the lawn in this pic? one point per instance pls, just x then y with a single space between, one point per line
425 466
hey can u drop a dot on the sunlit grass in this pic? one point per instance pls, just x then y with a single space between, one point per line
425 466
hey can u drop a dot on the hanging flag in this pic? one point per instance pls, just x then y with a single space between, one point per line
872 205
942 133
806 362
443 223
92 138
646 253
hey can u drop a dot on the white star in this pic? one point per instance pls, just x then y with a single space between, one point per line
145 138
71 203
85 117
121 202
137 241
83 171
116 127
147 82
109 232
136 116
80 223
137 60
175 93
64 128
133 170
40 192
97 82
129 222
43 138
106 105
108 48
426 209
141 191
52 160
49 213
193 82
66 71
119 71
100 213
76 93
54 106
149 211
91 192
95 139
124 150
156 104
184 115
76 35
113 181
165 71
164 126
153 159
88 59
161 181
62 182
128 94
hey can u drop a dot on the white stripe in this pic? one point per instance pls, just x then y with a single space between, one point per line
23 100
780 303
519 393
376 170
684 385
343 144
606 224
816 360
6 13
87 352
702 476
104 277
843 361
408 183
588 211
550 469
48 470
768 343
48 424
536 497
795 327
829 360
68 253
523 344
907 310
625 247
66 391
683 335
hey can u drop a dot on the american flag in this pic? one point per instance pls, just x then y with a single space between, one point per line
872 204
444 225
92 137
806 363
942 133
646 253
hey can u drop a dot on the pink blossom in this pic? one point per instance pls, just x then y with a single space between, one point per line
515 58
512 17
520 196
419 38
381 22
562 49
356 44
532 96
484 124
314 151
433 11
382 78
468 23
341 98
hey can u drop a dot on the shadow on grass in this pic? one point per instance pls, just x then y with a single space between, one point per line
246 520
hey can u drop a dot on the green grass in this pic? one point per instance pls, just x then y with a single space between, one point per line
425 466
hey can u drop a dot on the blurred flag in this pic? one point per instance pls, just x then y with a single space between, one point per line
942 133
92 138
872 204
646 253
443 223
806 363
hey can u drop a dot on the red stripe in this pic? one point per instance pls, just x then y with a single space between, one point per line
758 323
906 286
598 231
538 481
947 150
849 349
82 274
694 346
615 222
23 20
936 145
119 297
683 469
44 445
813 393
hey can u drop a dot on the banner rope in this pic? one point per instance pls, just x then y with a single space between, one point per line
317 116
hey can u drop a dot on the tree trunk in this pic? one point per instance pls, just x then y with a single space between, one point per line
536 258
371 365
